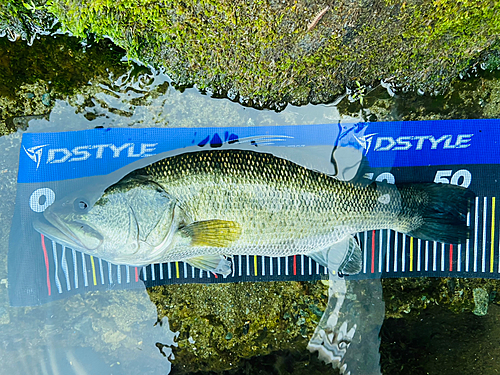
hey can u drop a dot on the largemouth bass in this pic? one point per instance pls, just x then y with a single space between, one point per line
202 207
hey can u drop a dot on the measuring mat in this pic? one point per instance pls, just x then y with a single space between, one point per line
461 152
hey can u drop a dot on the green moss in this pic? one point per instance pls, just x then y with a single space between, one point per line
408 298
263 50
31 78
23 19
221 325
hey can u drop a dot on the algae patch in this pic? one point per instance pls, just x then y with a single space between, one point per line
221 325
481 301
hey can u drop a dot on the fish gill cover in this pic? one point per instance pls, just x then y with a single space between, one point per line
459 152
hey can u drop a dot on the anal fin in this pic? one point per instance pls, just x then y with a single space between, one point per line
212 263
344 256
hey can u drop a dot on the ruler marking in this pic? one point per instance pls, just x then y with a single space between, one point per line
451 257
459 257
442 257
46 259
75 267
426 256
380 253
84 268
56 267
483 260
492 250
372 268
263 261
419 249
239 265
434 259
388 252
403 255
467 248
119 274
411 254
476 223
365 237
396 240
110 273
64 265
92 264
101 271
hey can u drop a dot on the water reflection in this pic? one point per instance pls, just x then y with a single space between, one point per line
114 331
118 331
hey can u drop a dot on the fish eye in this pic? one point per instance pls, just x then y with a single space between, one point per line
81 205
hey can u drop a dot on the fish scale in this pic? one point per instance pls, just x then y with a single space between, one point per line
282 208
201 206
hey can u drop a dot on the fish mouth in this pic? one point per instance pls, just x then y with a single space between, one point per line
57 230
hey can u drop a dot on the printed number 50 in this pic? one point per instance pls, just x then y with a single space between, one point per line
461 177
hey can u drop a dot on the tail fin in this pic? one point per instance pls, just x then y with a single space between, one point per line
438 212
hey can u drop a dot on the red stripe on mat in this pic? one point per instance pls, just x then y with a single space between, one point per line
373 252
46 257
451 258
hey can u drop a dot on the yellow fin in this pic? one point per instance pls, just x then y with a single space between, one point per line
217 233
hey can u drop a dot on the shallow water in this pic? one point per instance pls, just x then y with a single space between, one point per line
118 331
111 332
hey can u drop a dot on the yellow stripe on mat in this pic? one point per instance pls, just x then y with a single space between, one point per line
93 269
411 254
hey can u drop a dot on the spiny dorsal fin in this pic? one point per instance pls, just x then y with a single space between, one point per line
217 233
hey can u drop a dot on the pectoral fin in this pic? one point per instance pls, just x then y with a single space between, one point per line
344 256
211 263
216 233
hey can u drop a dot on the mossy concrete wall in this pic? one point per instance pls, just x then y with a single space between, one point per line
266 52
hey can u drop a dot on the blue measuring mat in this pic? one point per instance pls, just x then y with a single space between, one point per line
461 152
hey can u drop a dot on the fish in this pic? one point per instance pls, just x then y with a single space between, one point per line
206 206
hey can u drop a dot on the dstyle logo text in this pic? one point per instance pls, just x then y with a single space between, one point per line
81 153
422 142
